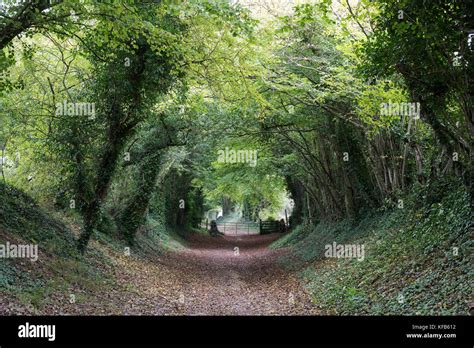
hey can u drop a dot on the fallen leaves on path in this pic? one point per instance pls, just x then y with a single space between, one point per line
221 276
211 276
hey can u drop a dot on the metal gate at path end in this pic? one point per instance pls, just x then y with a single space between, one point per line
249 228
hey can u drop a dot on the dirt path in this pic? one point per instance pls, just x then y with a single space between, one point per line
211 276
222 276
229 275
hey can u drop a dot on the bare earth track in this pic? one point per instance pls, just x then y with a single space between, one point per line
236 276
211 276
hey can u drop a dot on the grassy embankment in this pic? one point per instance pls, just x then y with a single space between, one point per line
30 287
417 259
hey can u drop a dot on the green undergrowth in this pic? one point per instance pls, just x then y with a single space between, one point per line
20 215
156 237
417 259
60 268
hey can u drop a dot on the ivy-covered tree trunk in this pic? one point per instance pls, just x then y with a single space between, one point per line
227 206
121 122
135 210
297 194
